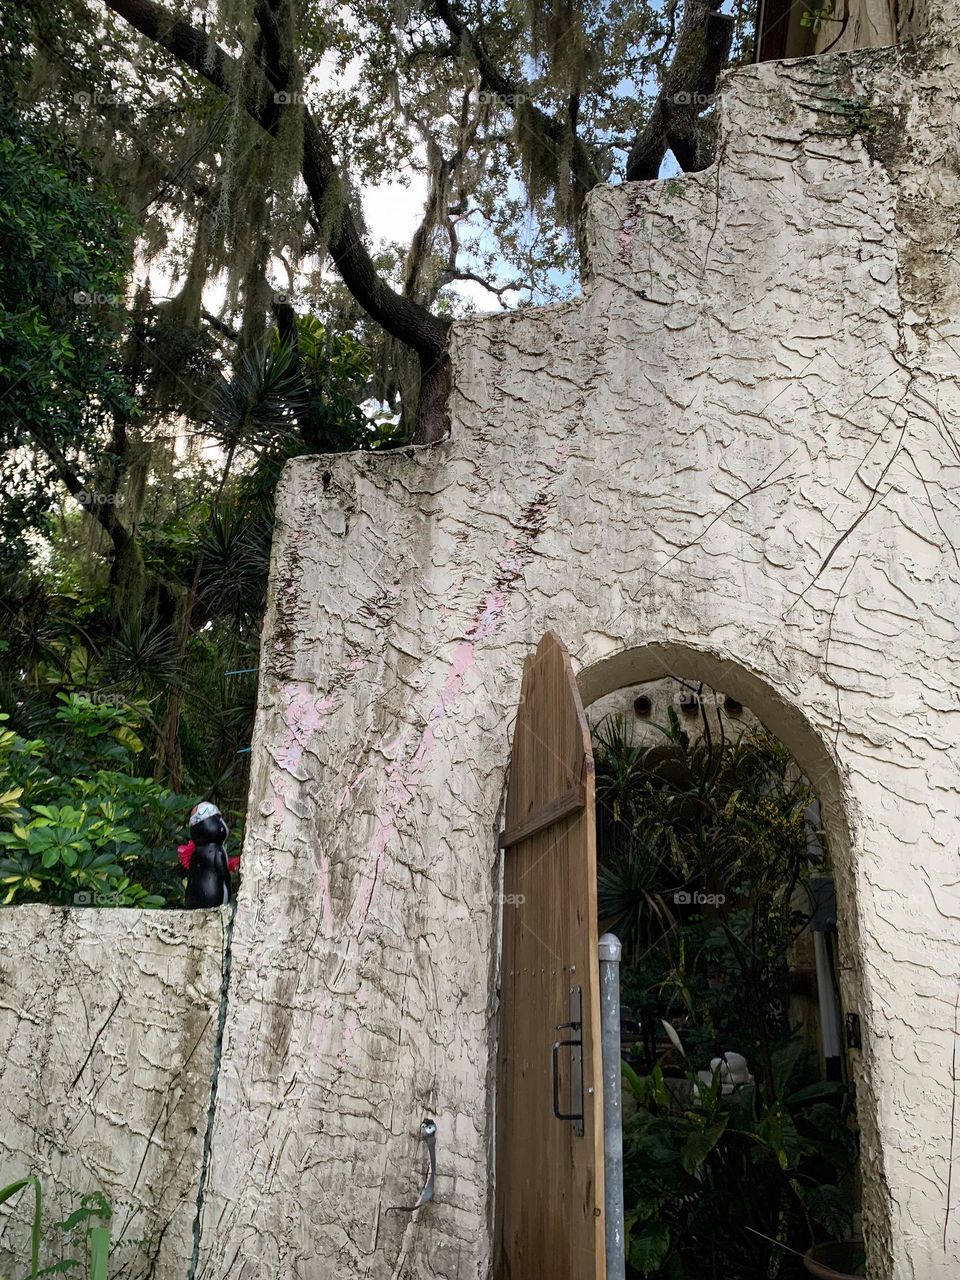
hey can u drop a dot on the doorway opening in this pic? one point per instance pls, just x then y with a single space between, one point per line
716 872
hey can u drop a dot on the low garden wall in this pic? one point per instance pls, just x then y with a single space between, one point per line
108 1032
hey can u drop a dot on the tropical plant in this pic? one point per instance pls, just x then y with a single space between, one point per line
77 825
731 1186
86 1228
701 845
65 246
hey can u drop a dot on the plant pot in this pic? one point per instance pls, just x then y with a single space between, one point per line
840 1261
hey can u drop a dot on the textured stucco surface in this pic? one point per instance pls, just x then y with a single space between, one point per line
108 1023
738 447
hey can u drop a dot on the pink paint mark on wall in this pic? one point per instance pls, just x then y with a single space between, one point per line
343 799
404 775
411 750
350 1024
302 715
280 810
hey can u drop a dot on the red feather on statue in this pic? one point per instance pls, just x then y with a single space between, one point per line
186 852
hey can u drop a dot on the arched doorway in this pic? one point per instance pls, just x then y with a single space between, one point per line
780 717
714 870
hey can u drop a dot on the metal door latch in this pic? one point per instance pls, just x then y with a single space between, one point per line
428 1131
575 1045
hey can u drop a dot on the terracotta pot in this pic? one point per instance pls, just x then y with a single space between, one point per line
843 1261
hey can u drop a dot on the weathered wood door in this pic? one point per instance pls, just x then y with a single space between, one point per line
549 1190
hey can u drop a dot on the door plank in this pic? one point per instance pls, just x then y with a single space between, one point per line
562 807
549 1182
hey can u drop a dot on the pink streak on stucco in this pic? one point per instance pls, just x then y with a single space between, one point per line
280 809
404 775
405 771
302 715
343 799
350 1024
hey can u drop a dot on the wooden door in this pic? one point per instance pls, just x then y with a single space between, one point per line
549 1189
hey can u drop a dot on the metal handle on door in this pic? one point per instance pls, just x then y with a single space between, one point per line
562 1115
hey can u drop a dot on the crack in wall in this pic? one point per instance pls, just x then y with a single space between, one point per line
214 1082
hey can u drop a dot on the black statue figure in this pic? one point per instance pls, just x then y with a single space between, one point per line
205 859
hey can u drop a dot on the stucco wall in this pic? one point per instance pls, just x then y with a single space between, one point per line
739 448
108 1025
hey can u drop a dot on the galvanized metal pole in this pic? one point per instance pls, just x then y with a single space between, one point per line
610 951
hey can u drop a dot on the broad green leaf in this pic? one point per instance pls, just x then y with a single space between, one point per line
699 1145
649 1249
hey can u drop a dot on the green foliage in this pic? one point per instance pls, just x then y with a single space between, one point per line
64 249
77 826
87 1228
701 846
726 820
716 1184
204 545
335 369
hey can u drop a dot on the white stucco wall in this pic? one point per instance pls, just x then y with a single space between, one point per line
108 1026
740 446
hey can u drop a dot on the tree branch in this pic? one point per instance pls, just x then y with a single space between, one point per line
220 325
442 171
583 163
101 506
703 47
402 317
517 286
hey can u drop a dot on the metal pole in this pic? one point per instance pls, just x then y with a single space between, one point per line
610 951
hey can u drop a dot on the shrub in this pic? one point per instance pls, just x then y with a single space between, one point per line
731 1185
87 1228
77 825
